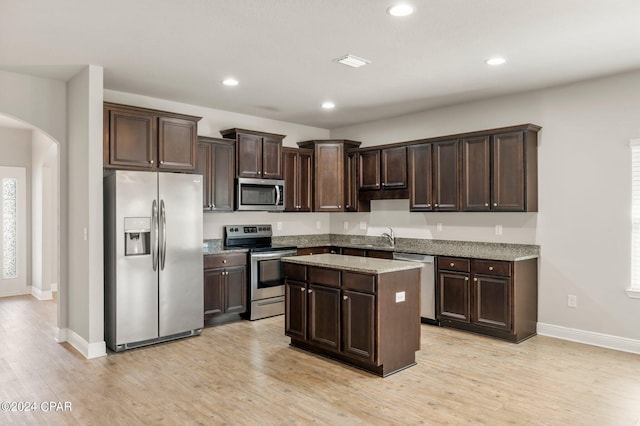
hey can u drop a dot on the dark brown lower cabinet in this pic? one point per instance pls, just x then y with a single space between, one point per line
225 284
354 317
496 298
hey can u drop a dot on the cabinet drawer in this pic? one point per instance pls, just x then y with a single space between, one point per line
492 267
329 277
348 251
380 254
453 264
359 282
295 272
305 251
223 260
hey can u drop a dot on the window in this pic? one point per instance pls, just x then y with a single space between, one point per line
634 291
9 252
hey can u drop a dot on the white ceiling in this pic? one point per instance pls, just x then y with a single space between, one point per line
281 51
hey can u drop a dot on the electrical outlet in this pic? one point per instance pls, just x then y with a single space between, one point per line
279 226
572 300
345 225
318 224
363 225
439 227
498 229
400 296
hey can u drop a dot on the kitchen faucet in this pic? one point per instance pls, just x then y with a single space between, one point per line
390 237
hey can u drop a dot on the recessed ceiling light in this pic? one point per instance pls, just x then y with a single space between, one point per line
400 10
230 82
328 105
495 61
352 61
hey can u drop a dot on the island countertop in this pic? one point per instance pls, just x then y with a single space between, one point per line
369 265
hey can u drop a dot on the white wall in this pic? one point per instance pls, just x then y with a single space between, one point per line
85 256
15 151
583 223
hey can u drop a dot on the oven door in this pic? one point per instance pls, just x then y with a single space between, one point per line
267 274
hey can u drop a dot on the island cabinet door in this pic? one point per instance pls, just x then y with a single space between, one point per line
359 316
324 316
295 309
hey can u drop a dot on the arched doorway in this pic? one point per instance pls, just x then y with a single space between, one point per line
32 249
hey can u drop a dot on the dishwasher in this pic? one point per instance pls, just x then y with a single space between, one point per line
427 285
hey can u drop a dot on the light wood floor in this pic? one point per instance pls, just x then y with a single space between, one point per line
245 373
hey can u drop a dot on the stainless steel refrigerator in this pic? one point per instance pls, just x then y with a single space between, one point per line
153 257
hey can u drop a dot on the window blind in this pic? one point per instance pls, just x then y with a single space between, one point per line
635 214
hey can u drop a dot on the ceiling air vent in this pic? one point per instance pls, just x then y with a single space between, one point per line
352 61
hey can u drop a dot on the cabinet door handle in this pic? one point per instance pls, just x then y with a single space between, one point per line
339 206
345 297
301 288
495 204
213 206
162 162
486 204
475 280
347 206
150 161
310 291
428 205
436 204
384 184
466 278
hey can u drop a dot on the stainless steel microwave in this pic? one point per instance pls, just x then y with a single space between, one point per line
259 194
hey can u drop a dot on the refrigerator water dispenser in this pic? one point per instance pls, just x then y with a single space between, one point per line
137 236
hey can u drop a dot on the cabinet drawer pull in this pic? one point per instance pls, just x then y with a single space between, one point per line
452 264
491 268
224 260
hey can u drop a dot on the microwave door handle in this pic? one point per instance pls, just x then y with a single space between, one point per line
277 194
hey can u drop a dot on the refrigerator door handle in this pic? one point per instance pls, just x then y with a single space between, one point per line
163 235
154 237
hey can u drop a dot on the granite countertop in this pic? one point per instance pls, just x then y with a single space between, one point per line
471 249
216 247
368 265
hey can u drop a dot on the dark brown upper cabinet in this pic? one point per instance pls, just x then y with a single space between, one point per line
434 176
297 170
258 154
351 182
476 173
499 171
216 163
383 168
146 139
329 157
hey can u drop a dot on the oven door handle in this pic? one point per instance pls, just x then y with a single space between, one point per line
273 255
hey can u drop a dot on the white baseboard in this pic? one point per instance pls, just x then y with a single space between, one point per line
41 295
590 338
88 350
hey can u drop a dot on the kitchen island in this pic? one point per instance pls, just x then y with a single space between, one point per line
361 311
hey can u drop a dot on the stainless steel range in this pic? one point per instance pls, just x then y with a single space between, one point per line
266 271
